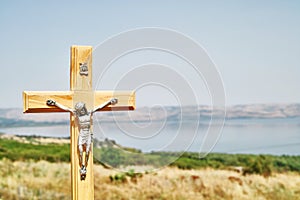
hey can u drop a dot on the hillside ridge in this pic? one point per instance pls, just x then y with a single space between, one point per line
15 117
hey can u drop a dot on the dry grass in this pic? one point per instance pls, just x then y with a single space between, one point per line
172 183
31 180
43 180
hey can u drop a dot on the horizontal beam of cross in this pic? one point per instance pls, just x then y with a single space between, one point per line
35 102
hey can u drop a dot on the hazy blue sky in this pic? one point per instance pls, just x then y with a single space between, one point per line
255 44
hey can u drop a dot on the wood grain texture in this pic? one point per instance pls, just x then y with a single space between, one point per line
80 54
35 102
126 100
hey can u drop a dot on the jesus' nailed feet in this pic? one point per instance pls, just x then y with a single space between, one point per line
82 172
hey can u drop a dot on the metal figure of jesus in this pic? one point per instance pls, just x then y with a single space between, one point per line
84 119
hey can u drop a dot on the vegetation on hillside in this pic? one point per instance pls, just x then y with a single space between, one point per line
18 151
252 164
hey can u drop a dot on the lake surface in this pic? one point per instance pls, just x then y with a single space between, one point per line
255 136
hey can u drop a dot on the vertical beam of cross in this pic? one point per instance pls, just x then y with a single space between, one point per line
81 85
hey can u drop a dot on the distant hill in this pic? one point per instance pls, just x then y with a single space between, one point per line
15 117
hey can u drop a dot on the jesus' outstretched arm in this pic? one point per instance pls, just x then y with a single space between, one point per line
113 101
51 102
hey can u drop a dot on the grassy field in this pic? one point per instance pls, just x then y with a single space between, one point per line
45 180
34 168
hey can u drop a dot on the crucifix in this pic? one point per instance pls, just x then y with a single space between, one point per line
81 101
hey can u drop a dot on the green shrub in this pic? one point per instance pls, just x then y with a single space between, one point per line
261 165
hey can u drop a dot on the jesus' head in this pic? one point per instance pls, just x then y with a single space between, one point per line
80 108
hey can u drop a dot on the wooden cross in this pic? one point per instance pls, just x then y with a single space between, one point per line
80 91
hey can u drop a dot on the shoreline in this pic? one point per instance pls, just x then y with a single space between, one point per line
39 139
35 139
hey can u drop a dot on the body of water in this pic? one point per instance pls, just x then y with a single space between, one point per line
253 136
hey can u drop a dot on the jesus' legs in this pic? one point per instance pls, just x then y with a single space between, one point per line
88 147
80 148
